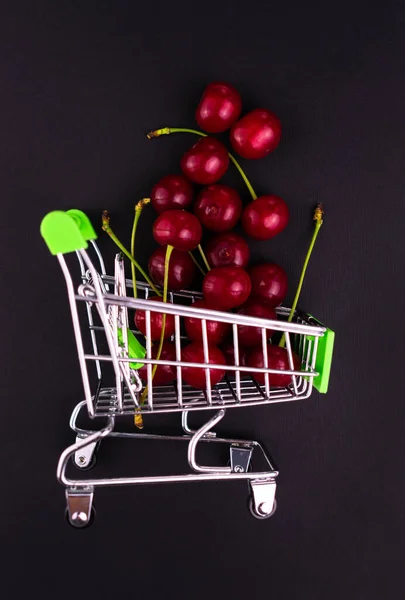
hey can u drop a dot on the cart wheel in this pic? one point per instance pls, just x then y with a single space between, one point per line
257 515
79 521
86 459
91 464
249 469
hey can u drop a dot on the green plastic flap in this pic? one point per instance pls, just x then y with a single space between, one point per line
324 361
61 233
135 348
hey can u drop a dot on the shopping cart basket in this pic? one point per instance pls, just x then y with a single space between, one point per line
117 351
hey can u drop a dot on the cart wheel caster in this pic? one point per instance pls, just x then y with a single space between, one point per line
80 462
258 515
249 469
79 519
85 459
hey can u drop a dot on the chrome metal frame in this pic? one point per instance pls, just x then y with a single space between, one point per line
106 314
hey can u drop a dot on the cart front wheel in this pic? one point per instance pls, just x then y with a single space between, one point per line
259 515
79 520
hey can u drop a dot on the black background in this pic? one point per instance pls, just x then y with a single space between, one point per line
81 83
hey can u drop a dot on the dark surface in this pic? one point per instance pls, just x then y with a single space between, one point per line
81 82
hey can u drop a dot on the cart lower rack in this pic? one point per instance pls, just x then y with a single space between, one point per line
115 388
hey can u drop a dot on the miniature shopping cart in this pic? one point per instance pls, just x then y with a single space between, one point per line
111 353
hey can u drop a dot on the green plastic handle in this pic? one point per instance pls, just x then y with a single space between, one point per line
66 232
324 361
324 357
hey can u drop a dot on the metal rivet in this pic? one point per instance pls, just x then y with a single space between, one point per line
79 516
265 508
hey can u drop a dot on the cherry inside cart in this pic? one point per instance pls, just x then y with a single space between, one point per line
99 308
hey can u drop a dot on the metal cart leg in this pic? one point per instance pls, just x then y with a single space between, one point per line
187 429
192 446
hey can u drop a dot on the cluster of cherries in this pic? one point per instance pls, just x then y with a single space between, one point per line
229 284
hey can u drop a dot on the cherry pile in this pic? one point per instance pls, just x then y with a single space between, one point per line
184 214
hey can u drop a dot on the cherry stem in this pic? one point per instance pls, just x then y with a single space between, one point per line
197 264
106 227
169 251
204 257
318 218
167 130
138 210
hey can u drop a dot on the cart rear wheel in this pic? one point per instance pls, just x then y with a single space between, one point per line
87 458
249 469
86 467
258 515
79 520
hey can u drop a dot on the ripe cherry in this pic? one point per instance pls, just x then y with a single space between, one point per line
218 207
269 283
173 191
226 287
181 268
256 134
179 229
156 322
216 330
195 376
229 353
265 217
252 336
277 359
206 162
219 107
227 249
164 374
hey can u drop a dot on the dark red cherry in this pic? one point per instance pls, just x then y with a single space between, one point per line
195 376
216 330
156 322
179 229
229 353
277 359
256 134
181 268
164 374
252 336
226 287
269 283
219 107
173 191
227 249
206 162
218 207
265 217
